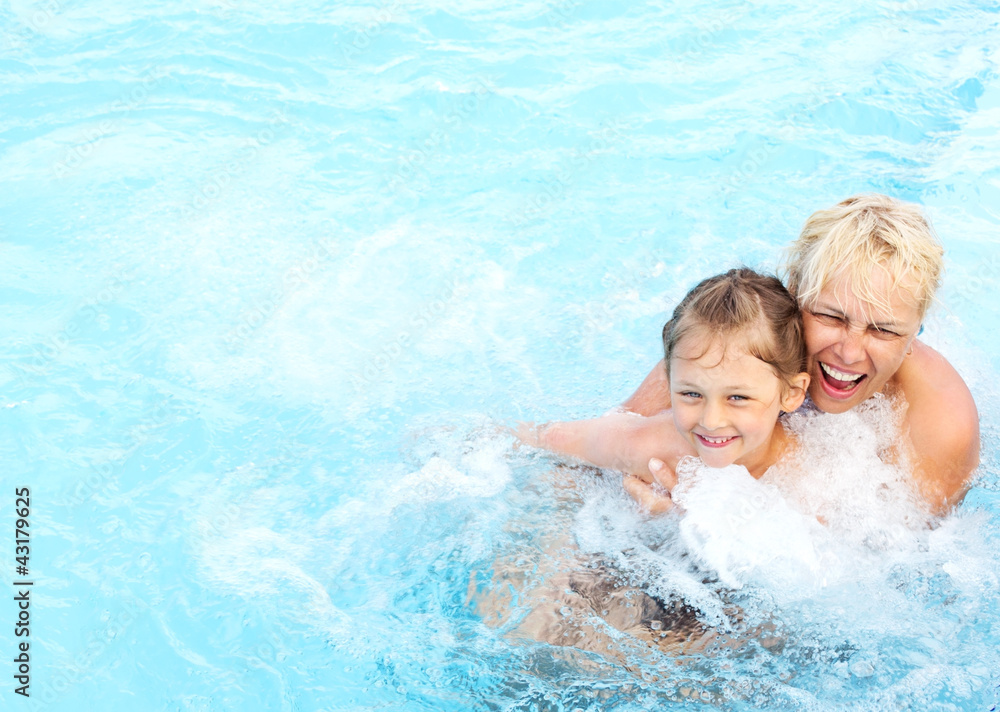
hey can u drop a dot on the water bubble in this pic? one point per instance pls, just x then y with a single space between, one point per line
862 668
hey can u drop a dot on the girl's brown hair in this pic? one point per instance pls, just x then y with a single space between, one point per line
743 304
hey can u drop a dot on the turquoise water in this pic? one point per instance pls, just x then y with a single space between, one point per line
273 277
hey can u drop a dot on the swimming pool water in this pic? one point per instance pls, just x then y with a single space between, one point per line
276 277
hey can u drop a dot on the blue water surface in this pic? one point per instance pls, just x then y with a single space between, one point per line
269 272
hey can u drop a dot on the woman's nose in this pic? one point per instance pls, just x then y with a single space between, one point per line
852 345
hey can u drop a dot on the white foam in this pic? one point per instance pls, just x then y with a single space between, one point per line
833 528
839 475
744 529
481 472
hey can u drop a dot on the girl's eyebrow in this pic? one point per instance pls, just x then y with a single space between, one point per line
684 385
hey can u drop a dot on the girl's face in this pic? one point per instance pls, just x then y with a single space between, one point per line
726 402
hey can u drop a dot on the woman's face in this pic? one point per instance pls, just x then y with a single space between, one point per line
854 346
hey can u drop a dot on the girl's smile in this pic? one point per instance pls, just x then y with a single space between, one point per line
715 442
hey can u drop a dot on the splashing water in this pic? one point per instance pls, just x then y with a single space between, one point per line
826 569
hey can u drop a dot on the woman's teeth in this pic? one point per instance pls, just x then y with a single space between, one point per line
840 375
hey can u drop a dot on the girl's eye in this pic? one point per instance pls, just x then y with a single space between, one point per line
738 398
690 394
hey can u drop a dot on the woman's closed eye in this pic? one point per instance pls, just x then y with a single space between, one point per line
884 334
879 332
831 319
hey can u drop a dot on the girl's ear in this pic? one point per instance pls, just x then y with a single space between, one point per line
795 392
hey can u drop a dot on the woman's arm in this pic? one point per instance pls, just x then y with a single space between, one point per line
653 494
653 394
943 426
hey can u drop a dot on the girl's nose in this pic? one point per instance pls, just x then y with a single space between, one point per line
712 416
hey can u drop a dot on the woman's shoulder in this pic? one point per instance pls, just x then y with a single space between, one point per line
928 381
942 420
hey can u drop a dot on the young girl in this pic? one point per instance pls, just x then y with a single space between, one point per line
736 359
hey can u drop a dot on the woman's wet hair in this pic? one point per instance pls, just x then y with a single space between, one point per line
745 310
855 237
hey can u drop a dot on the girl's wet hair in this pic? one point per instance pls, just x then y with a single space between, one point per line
747 310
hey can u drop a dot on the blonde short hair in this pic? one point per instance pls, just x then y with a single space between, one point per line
862 232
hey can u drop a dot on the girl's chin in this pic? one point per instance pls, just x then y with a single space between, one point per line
716 462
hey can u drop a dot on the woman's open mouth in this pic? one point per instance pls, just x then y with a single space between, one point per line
839 384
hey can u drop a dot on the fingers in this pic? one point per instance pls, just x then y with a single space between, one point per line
648 499
527 433
662 475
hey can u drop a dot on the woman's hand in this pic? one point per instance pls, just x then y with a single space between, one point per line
653 497
528 434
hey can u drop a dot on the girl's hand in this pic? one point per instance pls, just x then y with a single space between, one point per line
653 498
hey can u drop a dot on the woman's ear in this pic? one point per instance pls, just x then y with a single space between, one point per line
795 392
